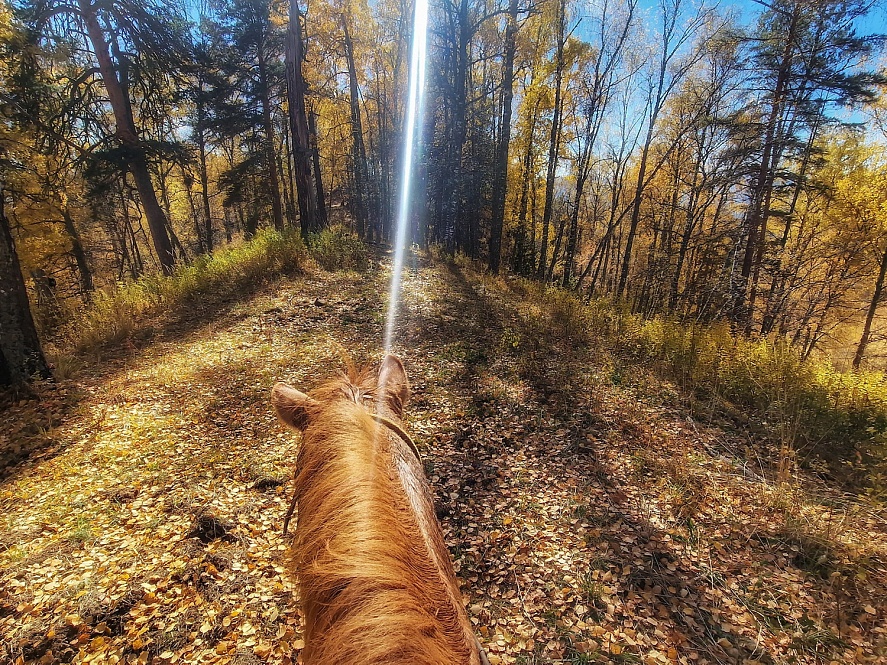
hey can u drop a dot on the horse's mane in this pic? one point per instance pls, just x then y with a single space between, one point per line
376 579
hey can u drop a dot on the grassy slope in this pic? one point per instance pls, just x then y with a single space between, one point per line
590 518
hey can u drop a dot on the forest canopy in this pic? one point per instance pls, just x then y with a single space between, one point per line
680 157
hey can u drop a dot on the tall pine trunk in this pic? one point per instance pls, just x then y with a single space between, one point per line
20 354
500 178
298 118
759 212
126 133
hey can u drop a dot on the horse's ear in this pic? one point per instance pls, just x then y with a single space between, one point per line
291 405
393 382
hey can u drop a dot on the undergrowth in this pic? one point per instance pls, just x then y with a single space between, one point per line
337 249
812 414
118 313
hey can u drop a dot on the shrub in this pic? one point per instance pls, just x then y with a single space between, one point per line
806 406
117 313
803 403
335 248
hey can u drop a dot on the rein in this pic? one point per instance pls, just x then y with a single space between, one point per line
382 420
397 429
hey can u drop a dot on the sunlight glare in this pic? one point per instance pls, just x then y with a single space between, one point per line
411 140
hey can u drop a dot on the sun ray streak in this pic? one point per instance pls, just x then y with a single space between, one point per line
411 140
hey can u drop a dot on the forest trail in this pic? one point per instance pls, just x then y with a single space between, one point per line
590 518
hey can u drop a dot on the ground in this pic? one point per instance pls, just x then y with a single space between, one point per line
590 518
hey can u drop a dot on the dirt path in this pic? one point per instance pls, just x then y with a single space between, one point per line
586 516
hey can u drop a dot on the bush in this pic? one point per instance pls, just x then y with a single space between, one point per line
116 314
805 406
337 249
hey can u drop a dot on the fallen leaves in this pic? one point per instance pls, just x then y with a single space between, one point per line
588 522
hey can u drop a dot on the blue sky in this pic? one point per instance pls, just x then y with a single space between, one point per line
874 22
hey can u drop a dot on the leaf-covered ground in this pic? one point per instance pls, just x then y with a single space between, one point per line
590 518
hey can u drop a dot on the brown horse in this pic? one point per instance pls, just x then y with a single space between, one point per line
376 580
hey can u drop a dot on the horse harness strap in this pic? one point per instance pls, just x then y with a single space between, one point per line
397 429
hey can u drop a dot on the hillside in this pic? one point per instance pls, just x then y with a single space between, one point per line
591 517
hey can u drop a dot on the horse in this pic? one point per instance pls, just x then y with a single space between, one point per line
376 581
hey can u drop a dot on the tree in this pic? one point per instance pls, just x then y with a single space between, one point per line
806 60
358 148
674 62
597 92
21 356
151 29
298 119
500 175
554 139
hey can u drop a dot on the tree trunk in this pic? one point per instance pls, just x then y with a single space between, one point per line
86 283
204 176
554 141
20 354
318 179
298 118
870 315
270 152
128 136
555 254
358 149
500 177
526 260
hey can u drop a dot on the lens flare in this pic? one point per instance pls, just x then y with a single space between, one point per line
410 142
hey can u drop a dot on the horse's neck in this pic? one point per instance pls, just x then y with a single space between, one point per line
370 487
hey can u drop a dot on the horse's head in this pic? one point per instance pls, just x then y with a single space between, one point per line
385 392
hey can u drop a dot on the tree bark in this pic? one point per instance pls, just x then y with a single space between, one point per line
20 354
126 133
500 177
298 118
